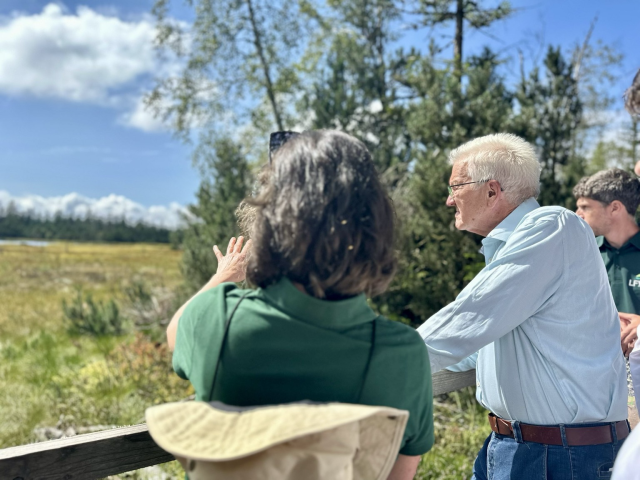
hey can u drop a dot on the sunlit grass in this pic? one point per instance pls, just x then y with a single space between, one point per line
460 428
33 280
46 374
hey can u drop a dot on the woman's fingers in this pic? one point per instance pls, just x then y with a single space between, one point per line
238 245
232 243
247 246
218 253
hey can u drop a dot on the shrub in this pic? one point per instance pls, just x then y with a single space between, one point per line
117 389
86 316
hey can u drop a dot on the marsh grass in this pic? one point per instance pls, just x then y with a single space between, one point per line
461 427
50 377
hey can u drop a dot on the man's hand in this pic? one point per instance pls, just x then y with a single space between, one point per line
628 331
232 266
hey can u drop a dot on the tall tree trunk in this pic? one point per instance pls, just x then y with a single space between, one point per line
265 67
457 45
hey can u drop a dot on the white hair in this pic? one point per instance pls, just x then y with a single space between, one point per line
503 157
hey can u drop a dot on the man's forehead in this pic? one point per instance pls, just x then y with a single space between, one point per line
588 202
459 172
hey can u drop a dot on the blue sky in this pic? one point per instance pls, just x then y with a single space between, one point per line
69 125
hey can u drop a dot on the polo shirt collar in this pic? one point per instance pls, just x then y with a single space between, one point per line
335 314
635 240
603 244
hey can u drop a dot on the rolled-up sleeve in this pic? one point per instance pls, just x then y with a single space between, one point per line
523 275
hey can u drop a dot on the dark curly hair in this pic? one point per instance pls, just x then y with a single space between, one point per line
609 185
323 219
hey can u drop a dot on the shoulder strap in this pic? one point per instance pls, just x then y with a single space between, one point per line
368 364
224 342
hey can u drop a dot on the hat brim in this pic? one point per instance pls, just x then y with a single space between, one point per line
198 431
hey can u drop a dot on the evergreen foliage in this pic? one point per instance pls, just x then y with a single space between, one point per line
549 117
85 316
410 106
226 180
15 225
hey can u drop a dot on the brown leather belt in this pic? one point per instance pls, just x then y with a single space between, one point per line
576 436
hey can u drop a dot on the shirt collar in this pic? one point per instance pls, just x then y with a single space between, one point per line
603 244
335 314
506 227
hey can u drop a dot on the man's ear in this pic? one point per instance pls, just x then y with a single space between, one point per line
617 207
494 188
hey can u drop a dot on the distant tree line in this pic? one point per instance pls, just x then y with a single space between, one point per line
59 227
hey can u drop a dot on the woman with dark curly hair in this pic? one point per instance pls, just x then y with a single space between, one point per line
322 241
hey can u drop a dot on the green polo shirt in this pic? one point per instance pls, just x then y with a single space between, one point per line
623 269
285 346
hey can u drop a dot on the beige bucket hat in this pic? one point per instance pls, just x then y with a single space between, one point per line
335 441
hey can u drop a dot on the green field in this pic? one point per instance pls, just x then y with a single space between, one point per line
51 377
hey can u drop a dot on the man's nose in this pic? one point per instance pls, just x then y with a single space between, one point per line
450 201
580 214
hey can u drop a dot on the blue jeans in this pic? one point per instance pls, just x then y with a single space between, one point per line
504 458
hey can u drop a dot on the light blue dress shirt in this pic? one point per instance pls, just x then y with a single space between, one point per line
541 318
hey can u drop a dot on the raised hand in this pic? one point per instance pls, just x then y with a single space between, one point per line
232 266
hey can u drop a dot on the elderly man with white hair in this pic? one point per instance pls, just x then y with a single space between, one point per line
538 323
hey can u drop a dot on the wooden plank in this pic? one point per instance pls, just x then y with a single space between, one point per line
83 457
446 381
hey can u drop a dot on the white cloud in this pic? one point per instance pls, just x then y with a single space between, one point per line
88 56
79 57
142 118
112 207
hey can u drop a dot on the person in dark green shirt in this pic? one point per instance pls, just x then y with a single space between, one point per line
608 201
322 241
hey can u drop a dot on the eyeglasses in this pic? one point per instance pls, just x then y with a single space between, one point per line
277 139
450 188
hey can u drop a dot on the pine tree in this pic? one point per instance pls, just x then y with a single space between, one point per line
436 259
432 13
226 179
549 117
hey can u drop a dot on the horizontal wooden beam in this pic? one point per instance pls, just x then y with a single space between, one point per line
83 457
110 452
446 381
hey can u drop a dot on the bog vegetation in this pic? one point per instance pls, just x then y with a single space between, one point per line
80 330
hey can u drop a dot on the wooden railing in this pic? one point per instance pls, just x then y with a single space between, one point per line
110 452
